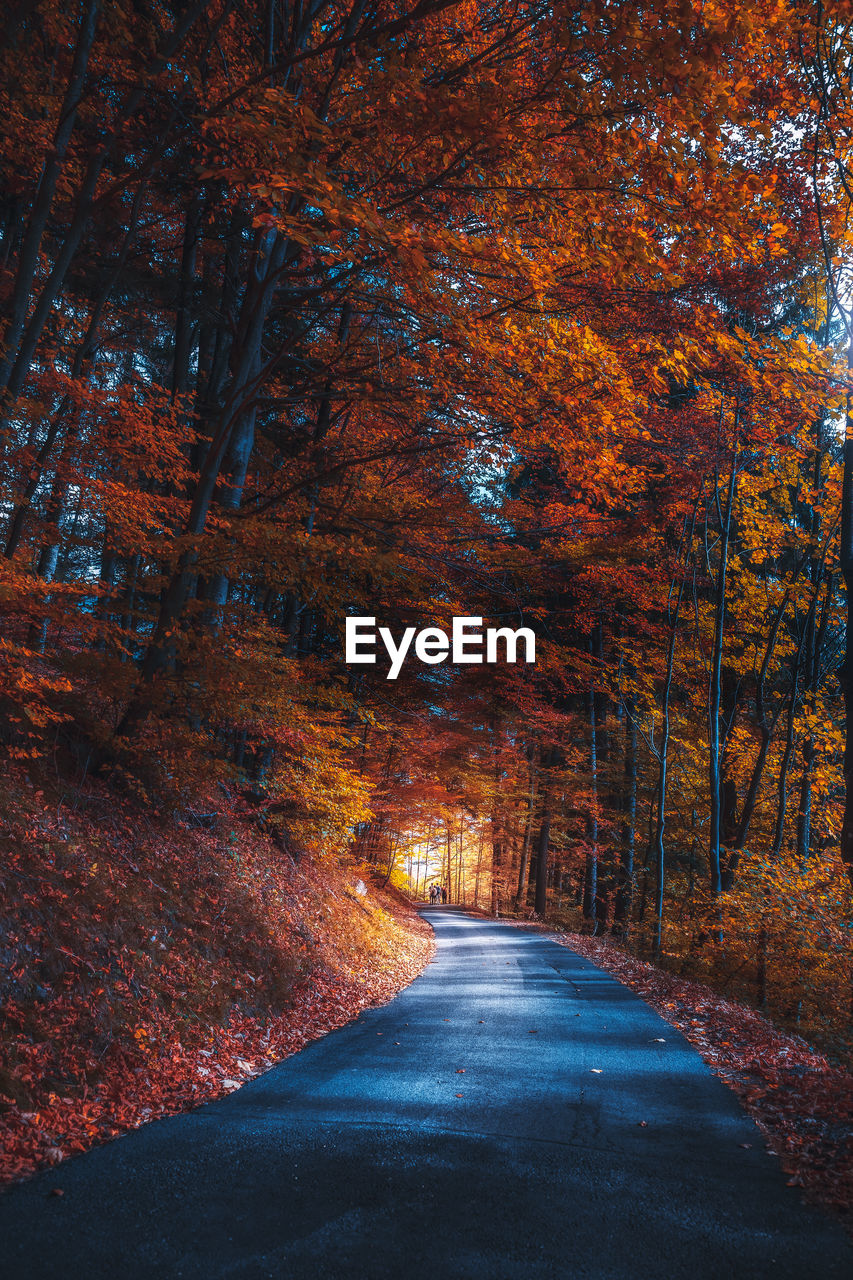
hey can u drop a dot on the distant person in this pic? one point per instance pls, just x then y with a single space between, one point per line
444 893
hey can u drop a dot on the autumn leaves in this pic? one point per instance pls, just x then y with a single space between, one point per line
424 317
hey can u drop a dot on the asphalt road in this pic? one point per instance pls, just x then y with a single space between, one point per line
484 1124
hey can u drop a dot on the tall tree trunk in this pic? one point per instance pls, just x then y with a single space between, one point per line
716 672
782 793
524 865
183 323
601 733
846 671
663 760
590 884
543 842
625 888
804 814
479 870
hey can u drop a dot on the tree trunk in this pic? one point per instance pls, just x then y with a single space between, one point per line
804 815
542 845
601 701
479 870
782 794
625 889
524 866
846 670
716 673
663 761
590 886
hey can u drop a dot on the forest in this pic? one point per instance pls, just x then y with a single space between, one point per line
413 310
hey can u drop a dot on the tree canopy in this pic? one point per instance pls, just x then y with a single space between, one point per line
531 312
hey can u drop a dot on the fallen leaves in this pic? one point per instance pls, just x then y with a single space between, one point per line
178 1026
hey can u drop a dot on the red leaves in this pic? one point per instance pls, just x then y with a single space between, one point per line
149 974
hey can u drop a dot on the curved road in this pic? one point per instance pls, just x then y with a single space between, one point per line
485 1124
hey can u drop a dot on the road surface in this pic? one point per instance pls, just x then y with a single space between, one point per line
486 1123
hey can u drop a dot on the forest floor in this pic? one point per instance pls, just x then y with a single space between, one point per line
801 1102
148 965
